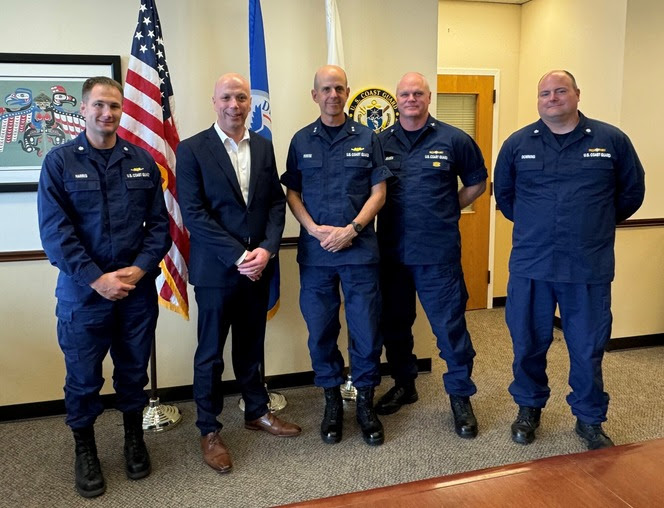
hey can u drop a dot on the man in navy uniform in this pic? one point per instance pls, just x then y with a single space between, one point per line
234 208
420 247
104 225
565 181
335 178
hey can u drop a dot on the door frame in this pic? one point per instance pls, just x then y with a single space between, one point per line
494 153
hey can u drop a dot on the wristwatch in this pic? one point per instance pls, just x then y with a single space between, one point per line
356 226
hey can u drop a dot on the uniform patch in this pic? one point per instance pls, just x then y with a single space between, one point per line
597 152
436 154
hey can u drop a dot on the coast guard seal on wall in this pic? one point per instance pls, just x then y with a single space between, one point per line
375 108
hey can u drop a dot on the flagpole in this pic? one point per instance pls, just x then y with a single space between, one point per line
260 121
348 390
335 56
147 72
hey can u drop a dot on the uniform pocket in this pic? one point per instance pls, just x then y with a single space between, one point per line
529 166
605 164
436 165
82 185
139 183
393 162
84 194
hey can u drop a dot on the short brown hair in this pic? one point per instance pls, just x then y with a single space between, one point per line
99 80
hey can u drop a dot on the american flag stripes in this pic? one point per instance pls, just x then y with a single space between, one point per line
147 121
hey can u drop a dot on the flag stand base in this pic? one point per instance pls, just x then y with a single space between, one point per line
348 391
159 417
277 402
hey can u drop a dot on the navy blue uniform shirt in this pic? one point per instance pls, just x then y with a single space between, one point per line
565 201
95 218
419 223
334 178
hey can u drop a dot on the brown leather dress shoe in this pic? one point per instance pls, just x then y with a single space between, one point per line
270 423
215 453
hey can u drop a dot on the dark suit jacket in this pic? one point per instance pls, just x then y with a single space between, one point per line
220 224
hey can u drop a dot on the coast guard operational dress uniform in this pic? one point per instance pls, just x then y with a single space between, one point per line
565 197
334 177
98 215
420 247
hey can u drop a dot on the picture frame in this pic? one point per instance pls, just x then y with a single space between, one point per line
40 97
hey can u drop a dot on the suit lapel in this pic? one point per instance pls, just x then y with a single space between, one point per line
253 173
220 155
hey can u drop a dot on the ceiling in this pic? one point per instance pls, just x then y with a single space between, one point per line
517 2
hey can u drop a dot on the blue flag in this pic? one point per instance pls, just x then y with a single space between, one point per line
261 113
260 120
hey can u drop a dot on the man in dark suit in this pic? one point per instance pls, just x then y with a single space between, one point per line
234 208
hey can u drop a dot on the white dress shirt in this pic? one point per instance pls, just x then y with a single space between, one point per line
240 156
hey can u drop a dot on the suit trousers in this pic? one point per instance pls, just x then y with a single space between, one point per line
585 312
242 309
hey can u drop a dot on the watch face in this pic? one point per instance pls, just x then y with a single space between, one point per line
357 227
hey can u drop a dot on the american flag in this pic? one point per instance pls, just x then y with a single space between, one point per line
147 121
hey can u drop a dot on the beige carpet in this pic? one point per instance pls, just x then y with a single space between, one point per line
36 469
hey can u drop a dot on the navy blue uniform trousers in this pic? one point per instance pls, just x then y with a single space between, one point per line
320 302
443 295
242 309
585 312
86 333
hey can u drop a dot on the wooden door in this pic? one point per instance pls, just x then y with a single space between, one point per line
474 223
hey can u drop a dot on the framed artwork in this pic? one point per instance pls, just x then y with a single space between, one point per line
40 97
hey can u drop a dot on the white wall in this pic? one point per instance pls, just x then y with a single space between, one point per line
612 48
203 39
608 46
476 35
587 38
642 103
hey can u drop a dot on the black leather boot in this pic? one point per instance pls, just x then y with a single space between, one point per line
137 459
331 426
593 435
397 396
372 429
89 479
465 423
523 428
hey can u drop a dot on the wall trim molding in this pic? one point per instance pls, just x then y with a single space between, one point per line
288 242
641 223
619 343
175 393
499 301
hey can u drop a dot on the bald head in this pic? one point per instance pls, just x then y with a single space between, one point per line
231 102
327 71
413 78
557 101
233 78
330 92
413 99
560 73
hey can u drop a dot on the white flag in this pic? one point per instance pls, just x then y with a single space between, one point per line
335 46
